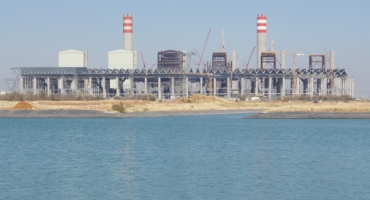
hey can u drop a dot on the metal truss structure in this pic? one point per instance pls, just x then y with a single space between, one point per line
163 82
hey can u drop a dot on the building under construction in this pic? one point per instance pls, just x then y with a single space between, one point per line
171 60
55 80
175 78
220 61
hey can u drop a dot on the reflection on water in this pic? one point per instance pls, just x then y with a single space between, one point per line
189 157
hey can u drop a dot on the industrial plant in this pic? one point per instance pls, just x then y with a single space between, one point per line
174 76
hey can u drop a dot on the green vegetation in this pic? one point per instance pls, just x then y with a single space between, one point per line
119 107
144 97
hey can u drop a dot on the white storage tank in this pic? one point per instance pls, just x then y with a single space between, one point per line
73 58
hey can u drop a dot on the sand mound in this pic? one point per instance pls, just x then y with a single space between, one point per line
23 106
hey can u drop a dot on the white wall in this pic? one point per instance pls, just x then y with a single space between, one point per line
122 59
72 58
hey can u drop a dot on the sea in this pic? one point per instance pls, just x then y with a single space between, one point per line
184 157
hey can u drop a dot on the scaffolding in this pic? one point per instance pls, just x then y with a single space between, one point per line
171 60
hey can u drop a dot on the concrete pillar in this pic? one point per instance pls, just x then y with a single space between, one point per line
270 88
90 86
343 82
35 85
256 86
282 89
48 86
242 84
305 86
350 87
61 86
104 89
145 85
297 86
324 86
172 87
318 87
186 87
344 86
353 86
86 84
201 85
228 88
214 87
339 86
310 86
159 89
118 88
21 85
283 59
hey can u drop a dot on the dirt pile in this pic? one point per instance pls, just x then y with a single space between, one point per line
23 106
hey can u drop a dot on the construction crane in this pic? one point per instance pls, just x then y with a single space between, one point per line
200 59
142 59
250 57
204 47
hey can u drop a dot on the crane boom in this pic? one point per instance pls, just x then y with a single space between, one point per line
142 59
204 47
250 57
201 60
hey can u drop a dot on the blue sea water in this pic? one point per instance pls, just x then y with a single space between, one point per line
184 157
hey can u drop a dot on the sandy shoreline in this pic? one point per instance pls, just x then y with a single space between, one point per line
99 114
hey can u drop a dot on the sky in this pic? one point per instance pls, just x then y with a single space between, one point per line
33 32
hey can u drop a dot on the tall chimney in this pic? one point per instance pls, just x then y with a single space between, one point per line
332 63
127 32
261 37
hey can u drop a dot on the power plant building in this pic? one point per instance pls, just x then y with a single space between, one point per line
124 58
73 58
220 61
171 60
175 78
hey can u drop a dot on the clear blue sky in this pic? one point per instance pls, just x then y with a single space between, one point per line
32 32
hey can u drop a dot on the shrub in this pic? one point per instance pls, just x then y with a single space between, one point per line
241 97
119 107
144 97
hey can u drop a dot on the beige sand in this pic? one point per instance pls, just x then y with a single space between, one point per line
196 103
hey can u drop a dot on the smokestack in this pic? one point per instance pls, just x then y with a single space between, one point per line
332 64
261 37
127 32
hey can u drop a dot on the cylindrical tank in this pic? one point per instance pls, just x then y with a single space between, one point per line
261 37
127 32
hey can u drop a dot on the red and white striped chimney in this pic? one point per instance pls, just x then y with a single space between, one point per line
261 37
127 32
